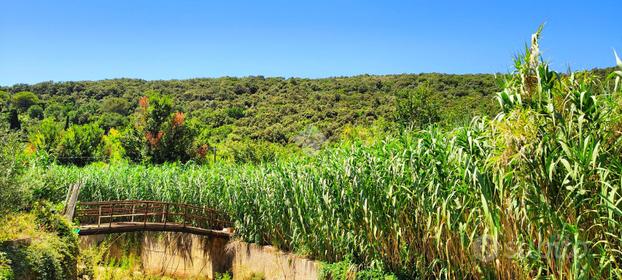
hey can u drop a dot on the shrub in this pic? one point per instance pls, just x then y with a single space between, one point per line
343 270
46 137
248 151
167 137
35 249
52 222
235 112
55 111
4 100
346 270
223 276
415 108
133 144
108 121
13 194
80 144
115 105
6 272
112 147
35 112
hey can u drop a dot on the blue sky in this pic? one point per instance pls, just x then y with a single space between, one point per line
90 40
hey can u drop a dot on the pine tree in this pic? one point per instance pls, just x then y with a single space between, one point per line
14 122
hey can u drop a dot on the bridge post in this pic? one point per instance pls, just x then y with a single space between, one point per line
111 214
72 200
99 216
165 214
133 208
185 214
146 209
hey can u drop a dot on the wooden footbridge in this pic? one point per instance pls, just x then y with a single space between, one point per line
105 217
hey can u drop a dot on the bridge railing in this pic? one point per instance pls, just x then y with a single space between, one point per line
106 213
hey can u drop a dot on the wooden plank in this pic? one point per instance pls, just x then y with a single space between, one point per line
132 227
71 201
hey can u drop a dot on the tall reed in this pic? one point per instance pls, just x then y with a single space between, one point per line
533 192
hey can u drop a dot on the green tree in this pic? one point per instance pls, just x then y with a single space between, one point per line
35 112
112 147
115 105
415 108
167 137
14 123
112 120
13 194
24 99
55 110
46 136
133 143
83 113
4 100
80 144
235 112
248 151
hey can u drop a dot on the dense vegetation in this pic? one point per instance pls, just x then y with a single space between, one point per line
37 245
246 119
531 192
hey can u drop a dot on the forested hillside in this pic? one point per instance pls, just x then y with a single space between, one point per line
531 193
428 176
224 112
247 119
272 109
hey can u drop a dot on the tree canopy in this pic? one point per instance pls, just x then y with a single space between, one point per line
245 119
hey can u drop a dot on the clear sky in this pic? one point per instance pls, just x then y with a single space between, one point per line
89 40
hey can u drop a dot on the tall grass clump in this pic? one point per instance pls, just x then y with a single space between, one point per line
531 193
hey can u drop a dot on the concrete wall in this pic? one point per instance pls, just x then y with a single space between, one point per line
251 259
186 255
